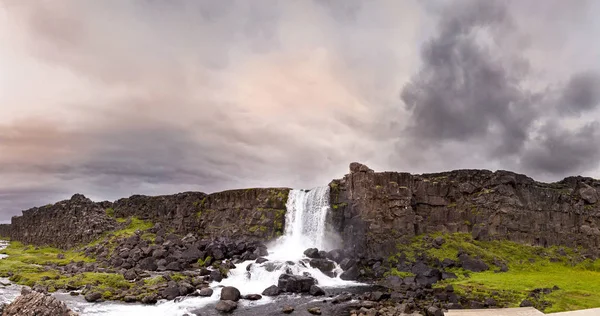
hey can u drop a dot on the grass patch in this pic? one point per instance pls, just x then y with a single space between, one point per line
27 254
135 225
110 212
530 267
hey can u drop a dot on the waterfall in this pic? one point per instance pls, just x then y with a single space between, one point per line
305 218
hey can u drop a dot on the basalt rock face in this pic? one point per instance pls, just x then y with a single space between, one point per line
373 211
253 214
250 214
63 225
4 230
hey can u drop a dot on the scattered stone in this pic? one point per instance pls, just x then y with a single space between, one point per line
351 274
287 309
526 303
261 260
434 311
252 297
150 299
472 264
226 306
314 310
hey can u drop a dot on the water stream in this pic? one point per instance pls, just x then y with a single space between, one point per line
305 228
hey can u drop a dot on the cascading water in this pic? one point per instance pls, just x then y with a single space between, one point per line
305 228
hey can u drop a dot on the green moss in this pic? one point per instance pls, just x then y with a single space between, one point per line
205 262
110 212
178 277
338 205
154 281
135 225
452 205
199 214
25 254
256 228
395 272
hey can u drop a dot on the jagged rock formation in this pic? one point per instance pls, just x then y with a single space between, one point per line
4 230
254 214
32 303
64 224
249 214
373 211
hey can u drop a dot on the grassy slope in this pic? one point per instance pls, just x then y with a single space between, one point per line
529 268
25 264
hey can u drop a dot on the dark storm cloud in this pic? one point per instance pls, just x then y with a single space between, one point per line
581 93
472 89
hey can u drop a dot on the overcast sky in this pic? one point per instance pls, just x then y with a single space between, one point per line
112 98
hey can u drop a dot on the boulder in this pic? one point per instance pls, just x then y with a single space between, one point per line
314 310
206 292
230 293
272 290
170 292
316 291
322 264
312 253
472 264
287 310
130 275
295 283
351 274
252 297
93 297
261 260
35 304
216 275
226 306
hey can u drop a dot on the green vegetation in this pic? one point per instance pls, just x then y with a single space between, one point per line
395 272
110 212
530 268
135 225
338 205
25 254
154 281
178 277
205 262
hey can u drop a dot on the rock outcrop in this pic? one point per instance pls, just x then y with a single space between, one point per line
253 214
64 224
373 211
249 214
4 230
32 303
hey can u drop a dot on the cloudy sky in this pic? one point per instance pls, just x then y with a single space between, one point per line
111 98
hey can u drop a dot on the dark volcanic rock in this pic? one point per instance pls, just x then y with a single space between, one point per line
322 264
93 296
252 297
350 274
472 264
272 290
230 293
295 283
312 253
226 306
37 304
206 292
62 225
316 291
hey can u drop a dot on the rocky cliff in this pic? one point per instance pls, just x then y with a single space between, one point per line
4 230
256 214
64 224
374 211
250 214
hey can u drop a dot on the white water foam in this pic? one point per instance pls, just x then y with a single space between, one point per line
305 228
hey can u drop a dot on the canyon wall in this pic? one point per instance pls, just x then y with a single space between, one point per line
374 211
250 214
254 214
64 224
4 230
